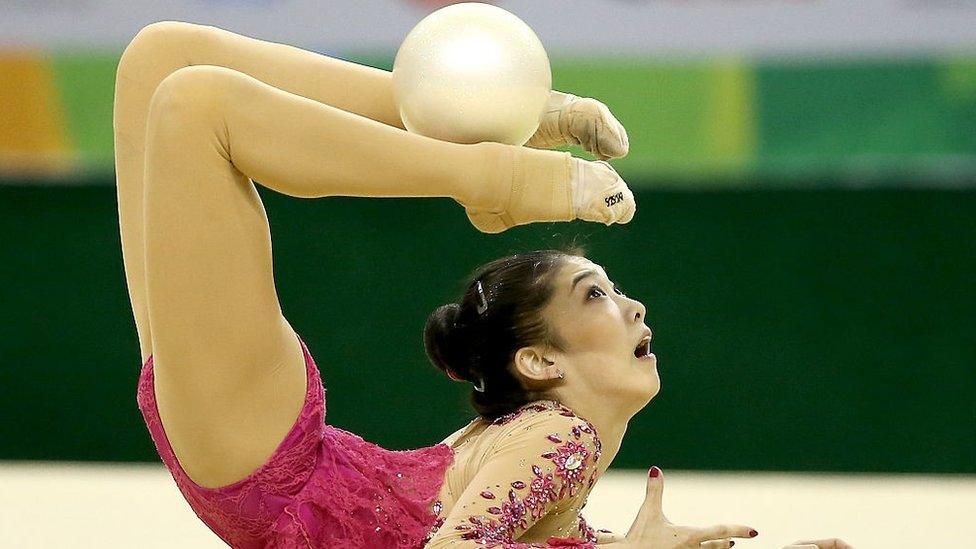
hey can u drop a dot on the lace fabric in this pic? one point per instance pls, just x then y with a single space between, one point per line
541 466
322 487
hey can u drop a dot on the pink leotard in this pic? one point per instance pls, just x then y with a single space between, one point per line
326 487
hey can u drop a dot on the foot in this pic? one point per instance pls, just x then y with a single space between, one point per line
541 186
599 194
522 186
583 121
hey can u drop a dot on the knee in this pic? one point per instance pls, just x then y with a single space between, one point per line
188 96
164 34
187 110
156 43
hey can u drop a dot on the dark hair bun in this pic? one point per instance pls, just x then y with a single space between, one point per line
441 341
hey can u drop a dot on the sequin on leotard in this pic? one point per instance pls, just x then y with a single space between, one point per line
546 467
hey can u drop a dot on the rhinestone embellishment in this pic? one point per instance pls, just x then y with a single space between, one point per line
565 470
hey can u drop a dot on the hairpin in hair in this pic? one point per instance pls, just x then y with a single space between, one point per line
452 375
482 300
480 389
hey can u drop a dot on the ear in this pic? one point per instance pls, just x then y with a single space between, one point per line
535 364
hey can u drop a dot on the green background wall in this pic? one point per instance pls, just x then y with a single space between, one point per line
795 330
717 122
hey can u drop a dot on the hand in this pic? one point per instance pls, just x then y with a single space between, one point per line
651 529
832 543
571 120
606 536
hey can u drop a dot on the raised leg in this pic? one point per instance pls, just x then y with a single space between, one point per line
225 356
161 48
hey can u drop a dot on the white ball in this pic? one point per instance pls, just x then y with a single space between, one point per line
472 72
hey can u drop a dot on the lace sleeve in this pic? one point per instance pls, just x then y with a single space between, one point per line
542 464
586 531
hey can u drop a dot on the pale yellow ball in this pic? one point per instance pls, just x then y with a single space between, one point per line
472 72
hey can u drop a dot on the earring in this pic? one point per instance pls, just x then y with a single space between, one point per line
560 374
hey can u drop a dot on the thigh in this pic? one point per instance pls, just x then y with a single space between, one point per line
163 47
229 370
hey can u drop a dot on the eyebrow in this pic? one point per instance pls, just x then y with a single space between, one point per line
579 277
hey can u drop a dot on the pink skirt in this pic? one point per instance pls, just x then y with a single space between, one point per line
322 487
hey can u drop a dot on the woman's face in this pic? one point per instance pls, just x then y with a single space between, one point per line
600 328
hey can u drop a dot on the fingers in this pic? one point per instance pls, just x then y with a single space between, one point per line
655 493
717 544
650 511
606 536
655 488
801 547
725 531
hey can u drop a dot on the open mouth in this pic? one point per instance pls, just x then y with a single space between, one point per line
643 349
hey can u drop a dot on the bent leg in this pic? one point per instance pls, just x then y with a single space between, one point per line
362 109
219 340
161 48
208 248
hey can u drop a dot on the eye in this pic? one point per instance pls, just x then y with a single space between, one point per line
593 289
596 288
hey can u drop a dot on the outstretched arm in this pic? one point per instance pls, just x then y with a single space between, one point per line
538 475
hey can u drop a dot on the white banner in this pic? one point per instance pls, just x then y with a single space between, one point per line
566 27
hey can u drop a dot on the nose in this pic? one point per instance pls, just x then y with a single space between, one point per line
641 312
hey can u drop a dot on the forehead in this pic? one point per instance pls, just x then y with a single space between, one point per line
562 302
576 265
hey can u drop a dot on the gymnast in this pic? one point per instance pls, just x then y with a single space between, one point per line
558 357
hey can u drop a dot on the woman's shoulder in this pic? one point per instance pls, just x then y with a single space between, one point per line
465 433
552 444
549 419
543 411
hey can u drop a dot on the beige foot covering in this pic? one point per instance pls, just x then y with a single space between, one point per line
552 186
599 194
583 121
539 188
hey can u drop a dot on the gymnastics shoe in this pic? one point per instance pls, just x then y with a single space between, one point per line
599 194
541 186
583 121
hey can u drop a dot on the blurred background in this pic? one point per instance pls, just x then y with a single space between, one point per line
805 244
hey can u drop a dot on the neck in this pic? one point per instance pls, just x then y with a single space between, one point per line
610 423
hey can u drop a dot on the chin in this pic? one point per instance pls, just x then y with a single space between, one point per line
653 385
645 384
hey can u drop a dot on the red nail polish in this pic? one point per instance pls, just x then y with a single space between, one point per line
655 472
753 533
